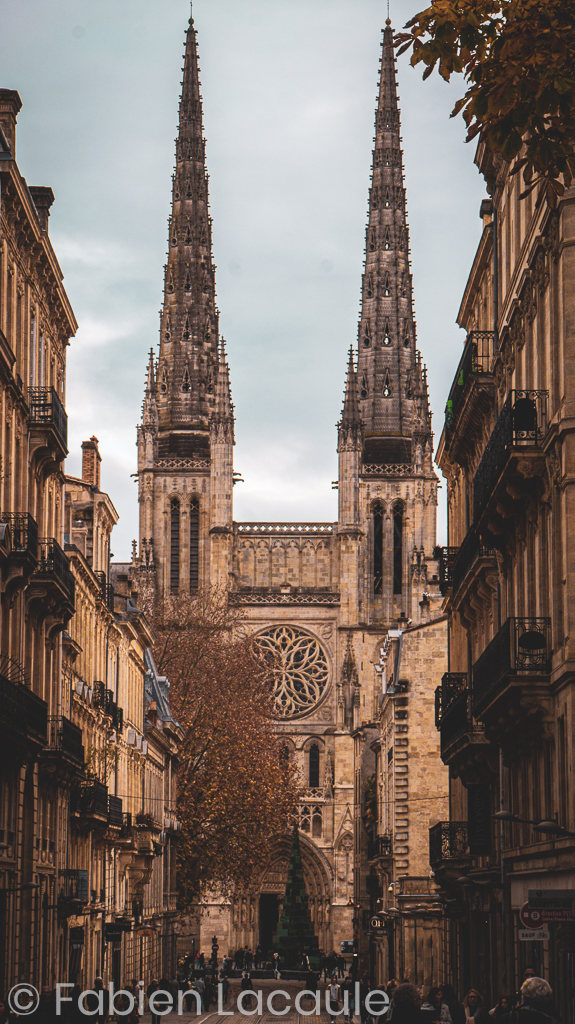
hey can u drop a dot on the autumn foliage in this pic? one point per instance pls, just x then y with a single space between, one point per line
518 57
236 791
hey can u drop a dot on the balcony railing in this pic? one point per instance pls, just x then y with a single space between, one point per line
104 699
115 816
522 423
23 532
453 685
521 645
470 550
446 558
106 589
448 840
47 410
53 563
73 885
475 360
20 709
66 737
381 846
92 800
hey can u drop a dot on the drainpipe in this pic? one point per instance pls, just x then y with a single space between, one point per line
501 851
495 281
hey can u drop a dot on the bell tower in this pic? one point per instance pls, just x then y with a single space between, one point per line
387 484
185 440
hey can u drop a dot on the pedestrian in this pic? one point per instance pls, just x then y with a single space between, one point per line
247 986
334 998
536 1002
407 1005
435 1003
225 983
347 987
474 1010
502 1006
153 987
363 993
208 994
456 1011
340 960
6 1017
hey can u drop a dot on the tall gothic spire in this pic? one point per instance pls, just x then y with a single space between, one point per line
189 357
389 372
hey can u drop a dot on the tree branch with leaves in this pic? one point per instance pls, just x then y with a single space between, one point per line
518 57
236 790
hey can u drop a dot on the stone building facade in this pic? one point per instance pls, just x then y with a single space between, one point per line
87 789
505 706
321 596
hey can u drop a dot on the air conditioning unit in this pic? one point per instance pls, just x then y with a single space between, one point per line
131 737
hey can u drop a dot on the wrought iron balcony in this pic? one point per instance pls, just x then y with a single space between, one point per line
448 841
446 558
21 549
522 424
53 577
470 552
115 816
23 715
106 589
453 687
48 413
474 362
381 846
91 802
521 648
73 886
65 737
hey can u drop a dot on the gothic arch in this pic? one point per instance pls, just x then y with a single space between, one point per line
318 878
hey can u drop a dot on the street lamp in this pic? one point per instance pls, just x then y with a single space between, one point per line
548 827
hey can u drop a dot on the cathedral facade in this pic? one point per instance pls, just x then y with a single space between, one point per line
322 596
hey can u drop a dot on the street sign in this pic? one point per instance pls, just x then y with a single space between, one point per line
551 899
529 917
377 922
553 904
533 934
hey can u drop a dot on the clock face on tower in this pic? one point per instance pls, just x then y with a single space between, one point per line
300 669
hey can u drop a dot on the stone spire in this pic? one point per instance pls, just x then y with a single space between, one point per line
188 360
350 426
389 371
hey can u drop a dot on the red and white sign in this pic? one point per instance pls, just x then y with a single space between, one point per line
530 918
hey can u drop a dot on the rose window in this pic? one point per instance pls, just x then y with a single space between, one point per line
299 666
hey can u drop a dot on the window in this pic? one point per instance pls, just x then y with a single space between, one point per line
194 543
397 550
174 546
314 766
378 549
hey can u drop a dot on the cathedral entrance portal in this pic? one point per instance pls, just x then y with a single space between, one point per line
269 915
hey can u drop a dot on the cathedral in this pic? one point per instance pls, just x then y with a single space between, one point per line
322 596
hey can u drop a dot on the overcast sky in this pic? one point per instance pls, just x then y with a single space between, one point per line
289 90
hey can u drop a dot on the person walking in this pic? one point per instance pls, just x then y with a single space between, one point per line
536 1001
475 1013
334 998
435 1003
347 987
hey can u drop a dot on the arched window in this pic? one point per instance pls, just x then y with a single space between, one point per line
316 822
314 766
174 546
397 549
194 543
378 548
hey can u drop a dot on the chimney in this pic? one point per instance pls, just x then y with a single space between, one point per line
10 106
91 460
43 198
